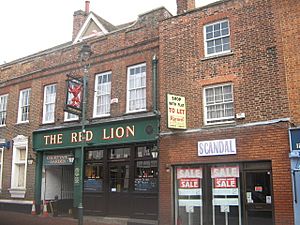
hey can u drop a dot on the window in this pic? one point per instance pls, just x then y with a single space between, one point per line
3 108
216 38
136 88
1 166
218 104
49 103
24 103
19 167
102 94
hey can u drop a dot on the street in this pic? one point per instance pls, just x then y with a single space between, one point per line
13 218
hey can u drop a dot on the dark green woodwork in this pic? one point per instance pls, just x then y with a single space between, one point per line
117 132
38 177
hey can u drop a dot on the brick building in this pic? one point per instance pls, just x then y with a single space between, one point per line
213 88
119 175
228 80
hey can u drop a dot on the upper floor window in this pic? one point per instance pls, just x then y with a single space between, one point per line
1 166
136 88
24 103
218 104
3 109
216 38
102 94
49 103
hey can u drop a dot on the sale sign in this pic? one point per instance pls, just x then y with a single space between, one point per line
225 182
189 183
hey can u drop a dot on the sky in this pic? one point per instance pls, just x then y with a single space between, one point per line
30 26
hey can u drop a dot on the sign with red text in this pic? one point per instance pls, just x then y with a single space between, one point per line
225 182
176 112
189 183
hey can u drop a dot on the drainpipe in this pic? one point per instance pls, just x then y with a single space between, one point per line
154 84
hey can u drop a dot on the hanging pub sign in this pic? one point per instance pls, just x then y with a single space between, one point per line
176 111
74 94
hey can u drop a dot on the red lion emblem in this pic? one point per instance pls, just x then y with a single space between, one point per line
75 91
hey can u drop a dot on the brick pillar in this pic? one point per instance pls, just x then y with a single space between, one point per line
185 5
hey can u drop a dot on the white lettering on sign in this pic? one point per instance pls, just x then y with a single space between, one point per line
189 183
189 173
217 147
225 171
225 182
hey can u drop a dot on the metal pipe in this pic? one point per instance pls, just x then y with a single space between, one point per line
154 84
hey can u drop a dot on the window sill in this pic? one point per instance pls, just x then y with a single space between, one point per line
220 124
21 123
217 56
134 112
17 192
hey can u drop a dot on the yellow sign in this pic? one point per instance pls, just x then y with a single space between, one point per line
176 112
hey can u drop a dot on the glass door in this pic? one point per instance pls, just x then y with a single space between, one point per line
258 197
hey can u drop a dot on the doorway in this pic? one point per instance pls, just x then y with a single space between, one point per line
119 186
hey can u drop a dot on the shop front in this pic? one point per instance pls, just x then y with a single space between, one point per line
119 175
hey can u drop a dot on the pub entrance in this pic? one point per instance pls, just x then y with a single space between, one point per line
121 181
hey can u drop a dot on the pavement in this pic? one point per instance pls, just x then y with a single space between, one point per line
14 218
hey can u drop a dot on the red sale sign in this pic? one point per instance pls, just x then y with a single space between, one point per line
189 183
225 182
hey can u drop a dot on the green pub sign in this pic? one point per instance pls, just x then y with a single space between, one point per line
139 130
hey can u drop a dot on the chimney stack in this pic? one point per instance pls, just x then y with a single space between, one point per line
184 6
87 7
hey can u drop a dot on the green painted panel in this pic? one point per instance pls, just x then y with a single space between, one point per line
117 132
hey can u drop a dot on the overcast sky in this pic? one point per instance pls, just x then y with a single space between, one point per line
29 26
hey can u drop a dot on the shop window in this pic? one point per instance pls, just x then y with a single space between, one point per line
49 103
136 88
3 108
102 94
1 166
19 167
218 104
146 176
119 178
94 155
119 153
143 151
24 103
216 38
93 179
188 195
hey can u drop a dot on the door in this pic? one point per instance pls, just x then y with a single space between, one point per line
119 201
258 200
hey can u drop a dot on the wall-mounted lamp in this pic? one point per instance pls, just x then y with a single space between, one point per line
168 167
30 159
154 152
71 158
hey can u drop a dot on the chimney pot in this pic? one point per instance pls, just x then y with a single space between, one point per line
87 7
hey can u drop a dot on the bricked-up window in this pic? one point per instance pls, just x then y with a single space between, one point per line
102 94
1 166
49 103
3 108
218 104
24 103
216 38
136 88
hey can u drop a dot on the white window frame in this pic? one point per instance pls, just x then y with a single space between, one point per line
216 38
102 90
1 166
3 109
24 103
143 75
45 104
20 144
219 120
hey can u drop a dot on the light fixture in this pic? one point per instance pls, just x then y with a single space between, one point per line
85 52
30 159
154 152
71 158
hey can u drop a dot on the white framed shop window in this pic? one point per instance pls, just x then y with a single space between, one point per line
24 104
1 166
19 167
136 88
49 103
